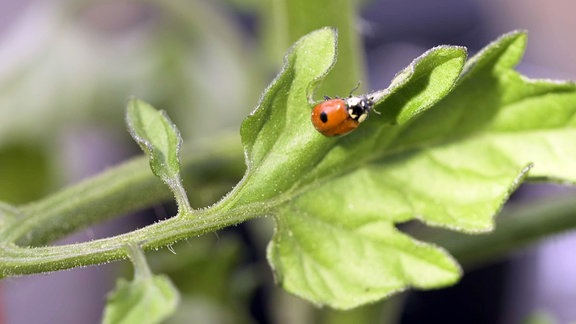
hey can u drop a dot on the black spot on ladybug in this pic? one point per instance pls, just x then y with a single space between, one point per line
323 117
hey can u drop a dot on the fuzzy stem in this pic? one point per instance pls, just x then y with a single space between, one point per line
112 193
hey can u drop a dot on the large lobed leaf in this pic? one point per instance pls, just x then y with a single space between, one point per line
451 143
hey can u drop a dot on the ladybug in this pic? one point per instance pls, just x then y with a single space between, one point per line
337 116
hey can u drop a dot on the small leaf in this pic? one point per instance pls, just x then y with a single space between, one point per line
161 141
157 136
146 301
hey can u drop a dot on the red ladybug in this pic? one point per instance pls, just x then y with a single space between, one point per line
338 116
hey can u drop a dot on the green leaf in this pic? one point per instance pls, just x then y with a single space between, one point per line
149 300
477 144
450 144
280 142
146 299
284 151
159 138
422 83
290 161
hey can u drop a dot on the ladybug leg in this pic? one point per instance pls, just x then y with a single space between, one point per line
327 98
374 110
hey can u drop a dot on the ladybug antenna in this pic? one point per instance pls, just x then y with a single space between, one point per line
355 88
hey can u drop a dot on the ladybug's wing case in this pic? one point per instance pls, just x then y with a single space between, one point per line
331 118
344 127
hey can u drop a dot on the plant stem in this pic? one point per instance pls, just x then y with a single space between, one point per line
138 259
16 260
112 193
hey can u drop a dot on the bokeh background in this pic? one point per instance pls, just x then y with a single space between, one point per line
67 69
